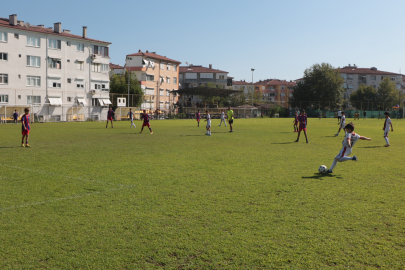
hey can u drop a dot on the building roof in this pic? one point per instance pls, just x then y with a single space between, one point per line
114 66
153 55
240 83
199 69
206 91
372 71
39 29
275 82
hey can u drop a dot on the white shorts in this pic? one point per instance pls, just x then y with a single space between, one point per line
342 126
208 124
386 133
346 151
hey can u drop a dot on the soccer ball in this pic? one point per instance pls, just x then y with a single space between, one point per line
322 169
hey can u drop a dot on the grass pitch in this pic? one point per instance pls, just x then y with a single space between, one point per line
88 197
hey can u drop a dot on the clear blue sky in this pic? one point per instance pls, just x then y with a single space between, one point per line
280 39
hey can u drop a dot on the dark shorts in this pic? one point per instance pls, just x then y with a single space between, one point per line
296 123
230 121
339 117
146 125
304 129
109 118
198 120
25 132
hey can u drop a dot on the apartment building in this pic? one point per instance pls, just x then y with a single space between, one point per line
196 75
276 91
61 76
244 86
355 76
158 76
116 69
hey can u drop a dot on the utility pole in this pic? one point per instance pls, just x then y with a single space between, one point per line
253 89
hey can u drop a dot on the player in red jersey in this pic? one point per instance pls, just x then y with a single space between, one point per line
110 116
25 120
198 117
296 122
303 119
145 118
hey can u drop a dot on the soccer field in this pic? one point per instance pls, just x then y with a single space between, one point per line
88 197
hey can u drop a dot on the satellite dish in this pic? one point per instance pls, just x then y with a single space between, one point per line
27 25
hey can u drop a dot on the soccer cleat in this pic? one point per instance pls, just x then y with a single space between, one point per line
209 134
219 125
151 132
307 141
387 145
296 140
328 171
336 135
27 145
22 145
141 131
354 158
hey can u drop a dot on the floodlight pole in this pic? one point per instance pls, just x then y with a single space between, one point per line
253 89
129 74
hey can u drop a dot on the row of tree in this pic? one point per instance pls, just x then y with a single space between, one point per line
322 87
119 85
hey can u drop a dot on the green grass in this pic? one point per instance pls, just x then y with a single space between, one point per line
87 197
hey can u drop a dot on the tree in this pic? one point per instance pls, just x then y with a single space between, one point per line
322 86
119 85
365 93
388 95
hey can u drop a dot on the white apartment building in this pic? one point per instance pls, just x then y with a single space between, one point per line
355 76
158 76
61 76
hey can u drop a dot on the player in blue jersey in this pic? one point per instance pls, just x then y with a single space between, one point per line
303 119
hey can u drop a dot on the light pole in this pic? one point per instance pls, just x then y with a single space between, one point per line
253 89
129 74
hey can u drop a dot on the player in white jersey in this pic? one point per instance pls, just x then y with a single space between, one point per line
386 128
342 124
222 119
350 139
131 117
208 127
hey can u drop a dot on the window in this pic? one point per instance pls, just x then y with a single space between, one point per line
19 96
54 63
374 86
95 67
69 80
161 92
398 86
80 65
175 80
167 92
345 85
393 79
282 87
3 98
104 67
221 77
263 87
3 56
344 76
206 75
33 61
69 99
104 87
162 66
33 41
350 86
33 100
97 86
167 105
17 36
382 77
33 81
67 43
54 44
80 47
150 77
150 91
54 83
373 78
174 68
350 77
168 79
3 37
80 85
168 67
3 78
190 76
99 50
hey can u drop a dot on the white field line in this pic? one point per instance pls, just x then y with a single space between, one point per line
64 176
60 199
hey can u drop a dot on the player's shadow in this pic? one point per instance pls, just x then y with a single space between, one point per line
191 135
320 176
330 136
377 146
8 146
283 143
